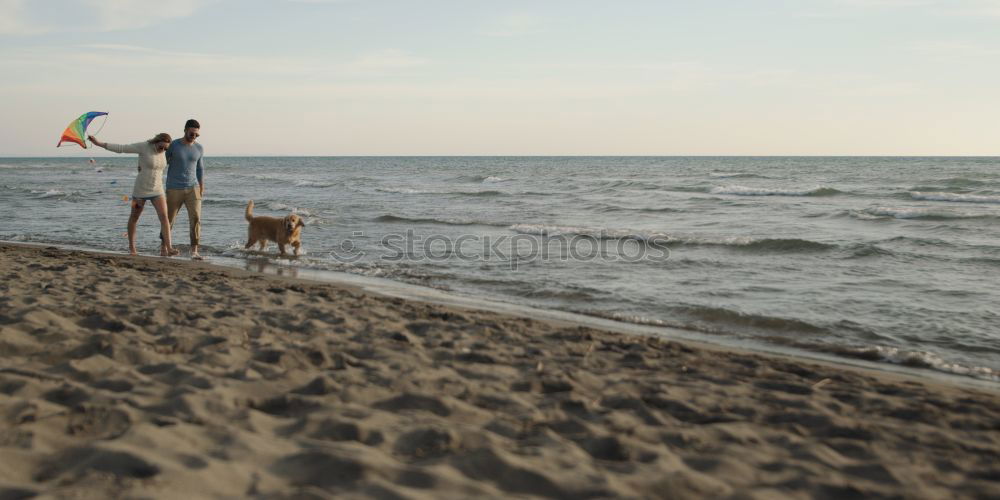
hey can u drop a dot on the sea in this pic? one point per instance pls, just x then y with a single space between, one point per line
889 260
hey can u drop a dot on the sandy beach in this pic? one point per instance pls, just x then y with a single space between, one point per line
146 377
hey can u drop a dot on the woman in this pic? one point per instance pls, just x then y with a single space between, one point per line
148 185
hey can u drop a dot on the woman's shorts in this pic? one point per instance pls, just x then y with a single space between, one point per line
146 198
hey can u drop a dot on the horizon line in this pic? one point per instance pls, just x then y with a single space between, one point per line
552 156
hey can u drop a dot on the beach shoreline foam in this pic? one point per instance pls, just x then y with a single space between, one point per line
162 377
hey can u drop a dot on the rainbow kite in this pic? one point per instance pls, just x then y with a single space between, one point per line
77 128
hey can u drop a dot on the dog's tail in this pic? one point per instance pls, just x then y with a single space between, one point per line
249 212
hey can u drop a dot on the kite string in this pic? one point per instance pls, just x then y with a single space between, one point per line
102 126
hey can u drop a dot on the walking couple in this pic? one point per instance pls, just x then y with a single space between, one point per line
183 160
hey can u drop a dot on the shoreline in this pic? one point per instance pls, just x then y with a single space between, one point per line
141 375
398 289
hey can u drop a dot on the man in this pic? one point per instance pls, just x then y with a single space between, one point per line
186 181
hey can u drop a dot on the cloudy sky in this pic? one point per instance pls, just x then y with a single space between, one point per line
509 77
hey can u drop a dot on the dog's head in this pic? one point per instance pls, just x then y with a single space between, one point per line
293 222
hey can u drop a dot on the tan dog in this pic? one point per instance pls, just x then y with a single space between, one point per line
281 230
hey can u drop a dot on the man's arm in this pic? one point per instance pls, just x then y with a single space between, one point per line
201 175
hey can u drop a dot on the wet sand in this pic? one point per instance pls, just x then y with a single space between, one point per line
138 376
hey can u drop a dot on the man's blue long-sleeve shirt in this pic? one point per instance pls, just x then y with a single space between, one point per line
185 165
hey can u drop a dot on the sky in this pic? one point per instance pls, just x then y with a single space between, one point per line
507 77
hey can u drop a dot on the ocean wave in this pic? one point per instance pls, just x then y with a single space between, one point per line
960 181
617 185
308 217
734 175
885 354
925 189
292 180
439 192
732 318
989 261
747 243
752 191
376 269
914 358
955 197
403 191
431 220
597 233
272 177
274 205
914 213
920 242
318 184
51 193
716 321
862 250
607 207
481 178
687 189
224 202
57 194
567 293
722 321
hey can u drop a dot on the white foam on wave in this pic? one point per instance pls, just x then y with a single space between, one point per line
930 360
899 213
238 250
753 191
300 211
956 197
321 184
482 192
912 213
295 210
288 179
724 175
403 191
270 177
493 178
50 193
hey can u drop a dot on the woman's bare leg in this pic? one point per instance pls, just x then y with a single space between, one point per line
166 248
133 219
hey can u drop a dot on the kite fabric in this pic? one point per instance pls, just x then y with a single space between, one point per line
77 128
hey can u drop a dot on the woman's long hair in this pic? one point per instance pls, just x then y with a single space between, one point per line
161 137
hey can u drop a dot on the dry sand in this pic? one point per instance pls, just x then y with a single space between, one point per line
144 377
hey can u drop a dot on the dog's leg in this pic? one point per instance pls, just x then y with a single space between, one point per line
281 248
296 244
250 243
261 245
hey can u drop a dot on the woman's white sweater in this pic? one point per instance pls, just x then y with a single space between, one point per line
149 182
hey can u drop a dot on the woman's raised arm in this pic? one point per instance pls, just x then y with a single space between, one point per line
117 148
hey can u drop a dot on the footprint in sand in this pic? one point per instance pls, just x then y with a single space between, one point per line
98 422
76 463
